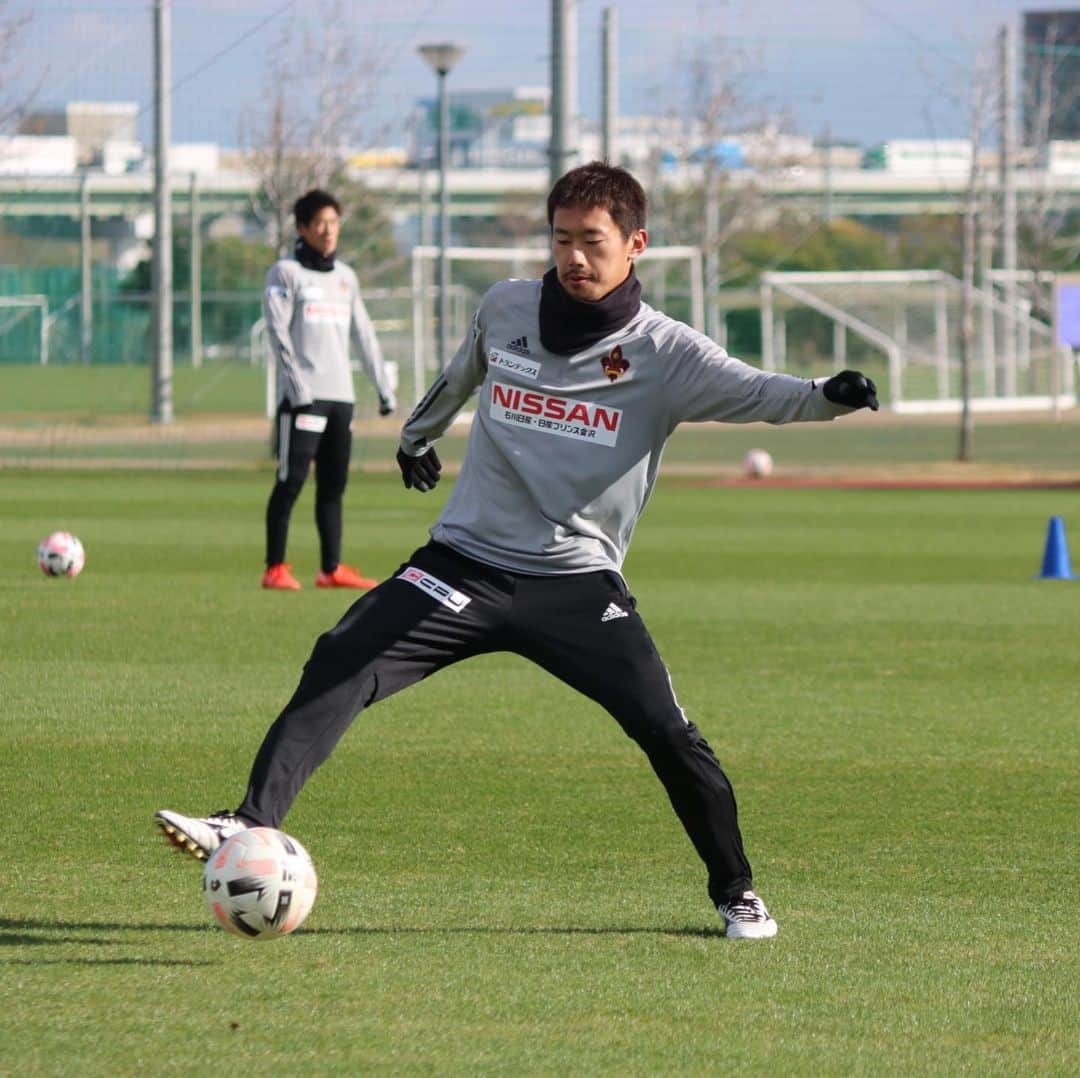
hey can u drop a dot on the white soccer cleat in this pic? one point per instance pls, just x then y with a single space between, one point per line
746 917
198 836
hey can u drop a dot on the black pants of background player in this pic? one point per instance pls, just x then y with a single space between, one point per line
319 432
442 607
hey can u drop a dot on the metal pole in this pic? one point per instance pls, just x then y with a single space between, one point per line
712 253
610 66
768 362
827 175
780 347
985 299
419 327
941 338
697 299
86 273
196 275
444 223
426 324
563 87
161 403
1007 167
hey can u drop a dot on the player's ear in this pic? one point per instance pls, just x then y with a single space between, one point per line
639 240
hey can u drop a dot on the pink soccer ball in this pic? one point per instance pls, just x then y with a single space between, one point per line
260 884
757 464
61 554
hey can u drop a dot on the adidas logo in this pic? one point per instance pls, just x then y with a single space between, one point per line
614 612
519 346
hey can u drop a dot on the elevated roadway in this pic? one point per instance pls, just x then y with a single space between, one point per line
484 192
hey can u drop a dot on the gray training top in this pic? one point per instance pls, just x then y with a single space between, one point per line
564 450
310 316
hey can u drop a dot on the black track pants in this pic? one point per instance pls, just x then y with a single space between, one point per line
319 432
442 607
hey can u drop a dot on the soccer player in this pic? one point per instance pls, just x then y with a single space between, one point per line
312 307
580 384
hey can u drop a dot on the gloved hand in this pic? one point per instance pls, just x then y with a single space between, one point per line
386 405
852 389
420 472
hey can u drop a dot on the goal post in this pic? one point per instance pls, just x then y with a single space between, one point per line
907 326
24 328
520 260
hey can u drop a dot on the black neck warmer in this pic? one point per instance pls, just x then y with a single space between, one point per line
570 325
310 259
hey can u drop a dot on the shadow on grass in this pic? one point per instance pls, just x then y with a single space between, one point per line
18 937
37 933
516 930
34 962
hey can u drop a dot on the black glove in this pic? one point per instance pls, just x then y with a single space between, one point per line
386 406
852 389
420 472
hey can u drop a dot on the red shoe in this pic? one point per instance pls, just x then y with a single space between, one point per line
279 578
344 576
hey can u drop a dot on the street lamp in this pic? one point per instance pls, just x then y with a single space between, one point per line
441 58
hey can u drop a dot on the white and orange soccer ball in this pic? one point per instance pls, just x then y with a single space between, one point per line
758 463
260 884
61 554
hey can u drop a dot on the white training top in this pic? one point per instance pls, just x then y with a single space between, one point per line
310 317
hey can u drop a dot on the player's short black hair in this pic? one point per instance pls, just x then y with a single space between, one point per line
309 204
607 186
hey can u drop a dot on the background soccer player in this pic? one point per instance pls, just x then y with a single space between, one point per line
580 384
312 308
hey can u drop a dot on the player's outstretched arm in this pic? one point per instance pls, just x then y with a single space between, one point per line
851 389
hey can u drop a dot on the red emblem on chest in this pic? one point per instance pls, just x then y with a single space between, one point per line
614 365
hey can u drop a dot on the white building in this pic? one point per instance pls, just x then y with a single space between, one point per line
38 155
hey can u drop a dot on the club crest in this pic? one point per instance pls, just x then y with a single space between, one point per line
614 365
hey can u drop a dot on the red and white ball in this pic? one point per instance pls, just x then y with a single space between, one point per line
260 884
61 554
758 463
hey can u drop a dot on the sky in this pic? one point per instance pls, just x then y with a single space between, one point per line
862 70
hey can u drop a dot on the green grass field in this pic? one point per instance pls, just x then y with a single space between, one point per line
504 888
98 414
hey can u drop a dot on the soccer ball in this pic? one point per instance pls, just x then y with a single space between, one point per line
758 463
61 554
260 883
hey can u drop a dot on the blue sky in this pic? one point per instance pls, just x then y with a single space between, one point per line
867 69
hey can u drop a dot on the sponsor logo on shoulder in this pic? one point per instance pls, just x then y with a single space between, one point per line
562 416
519 346
443 593
527 368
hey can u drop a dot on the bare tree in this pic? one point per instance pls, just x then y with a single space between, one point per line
319 86
729 157
13 24
981 100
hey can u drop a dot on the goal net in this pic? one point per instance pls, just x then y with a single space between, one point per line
671 279
905 329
